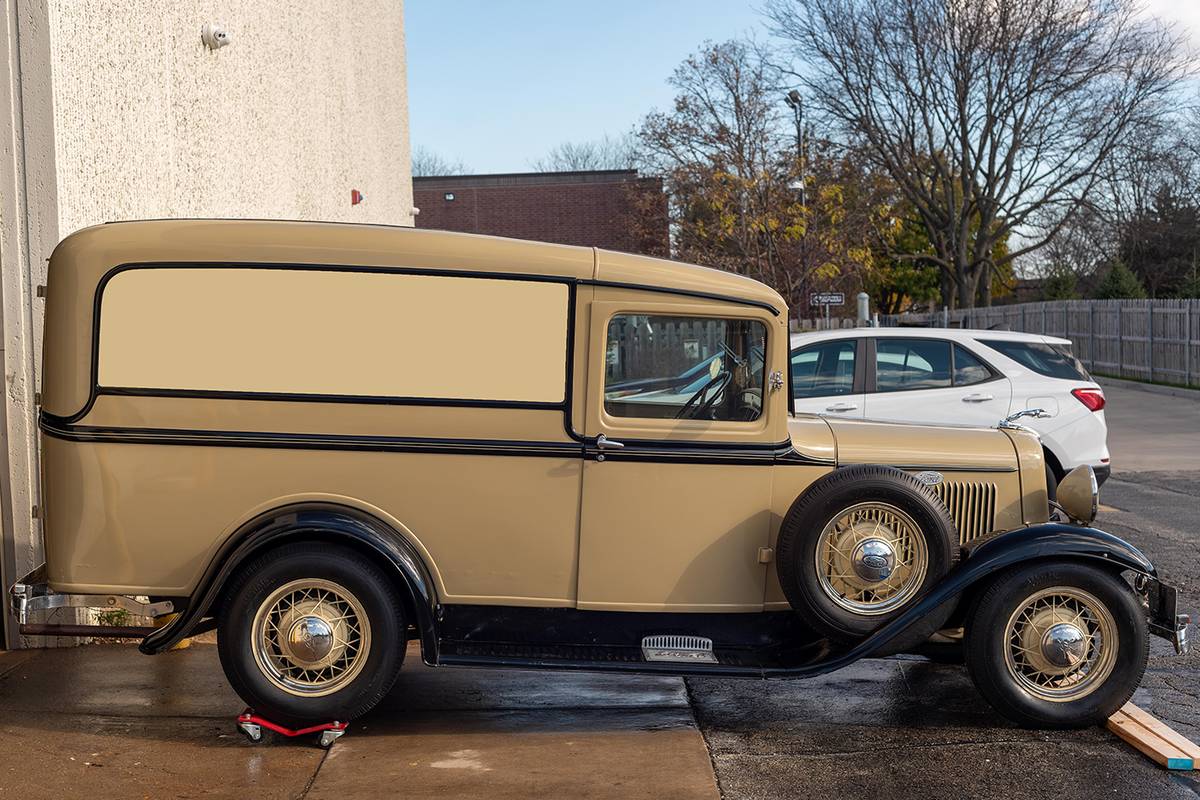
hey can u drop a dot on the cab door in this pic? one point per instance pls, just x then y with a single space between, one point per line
681 430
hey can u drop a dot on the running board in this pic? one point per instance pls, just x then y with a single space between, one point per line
685 649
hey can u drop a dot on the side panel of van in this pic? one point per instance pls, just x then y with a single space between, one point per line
437 402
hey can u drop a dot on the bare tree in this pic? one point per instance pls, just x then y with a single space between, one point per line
427 162
617 152
993 116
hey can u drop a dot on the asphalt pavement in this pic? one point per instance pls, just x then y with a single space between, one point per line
909 728
105 722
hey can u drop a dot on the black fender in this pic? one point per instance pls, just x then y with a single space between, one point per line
982 560
324 522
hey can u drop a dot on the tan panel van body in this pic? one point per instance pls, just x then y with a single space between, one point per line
321 438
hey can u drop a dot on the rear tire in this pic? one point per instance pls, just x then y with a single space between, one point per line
1057 645
311 633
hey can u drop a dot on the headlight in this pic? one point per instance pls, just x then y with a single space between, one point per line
1079 495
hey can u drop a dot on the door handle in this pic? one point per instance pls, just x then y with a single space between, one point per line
978 397
605 443
842 407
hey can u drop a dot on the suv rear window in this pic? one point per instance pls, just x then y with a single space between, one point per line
1044 359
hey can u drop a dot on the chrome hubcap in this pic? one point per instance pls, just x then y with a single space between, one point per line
1061 644
310 640
1064 645
871 558
311 637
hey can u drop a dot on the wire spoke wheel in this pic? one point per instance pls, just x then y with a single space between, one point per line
1060 644
871 558
311 637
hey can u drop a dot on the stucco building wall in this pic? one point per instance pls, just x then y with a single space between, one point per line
115 109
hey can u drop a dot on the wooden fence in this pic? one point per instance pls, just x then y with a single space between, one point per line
1149 340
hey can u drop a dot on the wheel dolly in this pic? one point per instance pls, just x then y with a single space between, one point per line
251 726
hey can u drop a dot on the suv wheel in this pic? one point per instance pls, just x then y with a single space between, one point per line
311 634
1057 645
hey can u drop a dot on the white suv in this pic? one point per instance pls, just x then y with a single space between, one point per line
956 377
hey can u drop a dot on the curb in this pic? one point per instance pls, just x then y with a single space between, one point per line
1153 388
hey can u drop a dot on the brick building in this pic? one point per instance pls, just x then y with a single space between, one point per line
613 209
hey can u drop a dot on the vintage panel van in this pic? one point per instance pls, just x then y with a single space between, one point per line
325 440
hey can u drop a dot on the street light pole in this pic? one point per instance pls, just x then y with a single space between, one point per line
796 103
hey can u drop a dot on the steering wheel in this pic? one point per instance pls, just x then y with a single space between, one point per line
699 402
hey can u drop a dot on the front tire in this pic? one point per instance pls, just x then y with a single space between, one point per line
1057 645
311 634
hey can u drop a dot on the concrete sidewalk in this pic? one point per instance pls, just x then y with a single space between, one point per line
125 725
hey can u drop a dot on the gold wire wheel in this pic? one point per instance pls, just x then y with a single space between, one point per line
311 637
1061 644
871 558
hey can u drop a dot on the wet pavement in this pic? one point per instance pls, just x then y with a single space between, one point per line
106 722
126 725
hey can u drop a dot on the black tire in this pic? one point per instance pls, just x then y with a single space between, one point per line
254 584
986 645
823 502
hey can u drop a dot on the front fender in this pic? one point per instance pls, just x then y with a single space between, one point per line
1023 545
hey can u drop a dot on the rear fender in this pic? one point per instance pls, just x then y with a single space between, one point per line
326 523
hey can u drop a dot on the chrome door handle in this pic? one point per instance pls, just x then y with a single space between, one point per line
605 443
842 407
978 398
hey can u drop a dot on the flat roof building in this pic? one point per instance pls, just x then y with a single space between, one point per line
613 209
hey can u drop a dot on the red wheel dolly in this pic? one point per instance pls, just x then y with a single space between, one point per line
251 726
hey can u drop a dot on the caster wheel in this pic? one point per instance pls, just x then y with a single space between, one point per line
251 731
327 738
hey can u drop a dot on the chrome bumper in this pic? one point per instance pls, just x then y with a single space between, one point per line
32 593
1165 621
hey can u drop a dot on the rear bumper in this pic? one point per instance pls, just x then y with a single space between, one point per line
32 594
1102 473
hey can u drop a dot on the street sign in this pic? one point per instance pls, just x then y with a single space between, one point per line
827 299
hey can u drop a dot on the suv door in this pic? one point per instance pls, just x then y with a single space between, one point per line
933 381
676 495
827 377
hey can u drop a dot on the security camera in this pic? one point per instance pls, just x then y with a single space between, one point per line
214 36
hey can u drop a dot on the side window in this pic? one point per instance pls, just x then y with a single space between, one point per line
824 369
903 364
968 369
667 367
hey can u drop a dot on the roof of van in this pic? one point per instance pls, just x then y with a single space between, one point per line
340 243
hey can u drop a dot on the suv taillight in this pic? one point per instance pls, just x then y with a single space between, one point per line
1092 398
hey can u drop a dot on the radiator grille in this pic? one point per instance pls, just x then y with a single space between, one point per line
972 504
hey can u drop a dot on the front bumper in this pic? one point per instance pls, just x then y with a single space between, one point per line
1162 603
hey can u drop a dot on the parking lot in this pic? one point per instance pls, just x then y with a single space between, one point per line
130 726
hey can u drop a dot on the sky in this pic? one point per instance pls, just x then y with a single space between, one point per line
496 84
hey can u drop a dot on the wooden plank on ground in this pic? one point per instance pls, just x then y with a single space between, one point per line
1155 739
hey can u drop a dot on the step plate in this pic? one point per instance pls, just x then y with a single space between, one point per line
688 649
